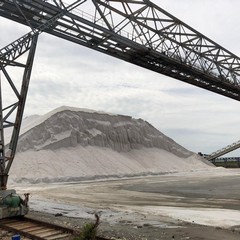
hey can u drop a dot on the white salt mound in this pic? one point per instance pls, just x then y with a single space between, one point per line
71 144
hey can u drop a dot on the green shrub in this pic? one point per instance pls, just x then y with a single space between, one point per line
89 230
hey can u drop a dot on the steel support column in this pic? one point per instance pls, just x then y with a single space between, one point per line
3 179
11 114
6 160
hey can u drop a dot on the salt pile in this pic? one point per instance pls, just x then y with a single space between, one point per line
71 144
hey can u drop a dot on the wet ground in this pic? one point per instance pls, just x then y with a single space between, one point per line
194 191
157 207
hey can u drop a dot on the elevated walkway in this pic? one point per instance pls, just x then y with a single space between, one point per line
139 32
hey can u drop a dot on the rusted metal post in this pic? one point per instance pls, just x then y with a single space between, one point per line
3 175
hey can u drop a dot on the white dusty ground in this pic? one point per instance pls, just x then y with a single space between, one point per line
117 202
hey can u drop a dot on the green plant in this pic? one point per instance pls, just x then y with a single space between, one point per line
89 230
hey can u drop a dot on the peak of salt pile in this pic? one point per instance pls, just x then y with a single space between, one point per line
69 127
73 144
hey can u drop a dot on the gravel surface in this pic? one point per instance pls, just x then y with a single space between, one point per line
130 231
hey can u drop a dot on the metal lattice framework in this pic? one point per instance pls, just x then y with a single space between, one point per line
11 114
223 151
142 33
9 56
136 31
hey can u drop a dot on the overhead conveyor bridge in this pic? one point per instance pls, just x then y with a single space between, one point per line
138 32
223 151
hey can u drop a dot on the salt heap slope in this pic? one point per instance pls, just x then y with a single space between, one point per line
71 144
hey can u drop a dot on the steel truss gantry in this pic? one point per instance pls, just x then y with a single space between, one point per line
141 33
136 31
11 115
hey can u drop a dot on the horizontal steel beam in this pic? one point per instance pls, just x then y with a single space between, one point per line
141 33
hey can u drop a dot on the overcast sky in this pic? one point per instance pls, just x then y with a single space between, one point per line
69 74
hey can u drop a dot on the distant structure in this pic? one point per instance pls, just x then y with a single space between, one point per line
214 157
227 162
223 151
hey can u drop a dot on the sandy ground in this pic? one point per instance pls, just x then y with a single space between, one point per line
197 205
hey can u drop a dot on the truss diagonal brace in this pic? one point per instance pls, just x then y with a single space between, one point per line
5 163
8 55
